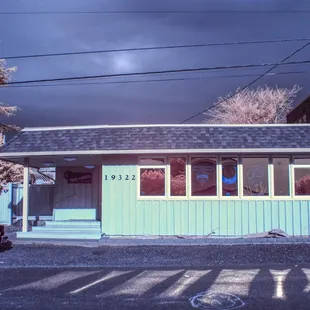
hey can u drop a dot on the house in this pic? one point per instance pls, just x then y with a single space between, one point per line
164 180
300 114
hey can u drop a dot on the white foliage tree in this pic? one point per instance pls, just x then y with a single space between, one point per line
263 105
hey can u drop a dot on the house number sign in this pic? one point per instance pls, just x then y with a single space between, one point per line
119 177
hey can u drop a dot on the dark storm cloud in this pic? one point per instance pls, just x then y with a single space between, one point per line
165 102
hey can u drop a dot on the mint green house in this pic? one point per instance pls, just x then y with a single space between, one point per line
166 180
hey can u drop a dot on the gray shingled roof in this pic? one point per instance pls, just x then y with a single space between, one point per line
160 138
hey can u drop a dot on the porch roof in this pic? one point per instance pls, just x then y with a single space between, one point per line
157 139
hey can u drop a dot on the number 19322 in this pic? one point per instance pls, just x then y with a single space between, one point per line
119 177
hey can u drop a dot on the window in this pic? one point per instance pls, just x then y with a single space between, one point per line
150 161
203 177
302 181
178 176
255 176
152 182
281 176
302 161
229 176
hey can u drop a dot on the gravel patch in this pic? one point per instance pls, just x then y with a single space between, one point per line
148 256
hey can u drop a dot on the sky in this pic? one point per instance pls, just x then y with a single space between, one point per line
103 102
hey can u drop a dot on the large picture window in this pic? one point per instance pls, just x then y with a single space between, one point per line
302 181
186 177
203 177
281 176
255 176
178 176
152 182
229 176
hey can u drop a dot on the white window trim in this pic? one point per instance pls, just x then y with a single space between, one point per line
298 197
219 196
169 196
164 197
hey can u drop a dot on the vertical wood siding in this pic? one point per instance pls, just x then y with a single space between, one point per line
76 196
124 214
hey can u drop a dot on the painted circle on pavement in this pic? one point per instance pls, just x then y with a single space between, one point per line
216 301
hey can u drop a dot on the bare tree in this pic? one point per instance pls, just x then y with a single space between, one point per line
8 172
263 105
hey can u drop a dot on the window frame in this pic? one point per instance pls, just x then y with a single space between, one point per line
215 197
270 178
220 177
287 197
294 196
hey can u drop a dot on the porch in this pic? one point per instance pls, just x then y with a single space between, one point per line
68 209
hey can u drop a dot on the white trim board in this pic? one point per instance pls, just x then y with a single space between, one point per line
159 151
159 125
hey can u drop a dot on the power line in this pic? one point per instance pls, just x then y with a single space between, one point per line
153 80
156 48
159 72
248 85
157 12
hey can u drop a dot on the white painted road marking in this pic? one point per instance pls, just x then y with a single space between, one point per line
109 276
55 281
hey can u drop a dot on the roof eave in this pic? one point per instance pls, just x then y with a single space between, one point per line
155 151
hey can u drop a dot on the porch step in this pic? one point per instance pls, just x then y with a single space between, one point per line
95 224
58 235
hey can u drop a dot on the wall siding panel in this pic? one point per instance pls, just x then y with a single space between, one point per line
6 206
124 214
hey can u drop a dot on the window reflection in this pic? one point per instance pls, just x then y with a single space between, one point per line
229 176
178 176
203 176
152 182
255 176
302 181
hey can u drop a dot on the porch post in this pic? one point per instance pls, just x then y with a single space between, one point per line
25 195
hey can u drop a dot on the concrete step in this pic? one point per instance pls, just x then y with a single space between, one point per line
67 229
72 223
58 235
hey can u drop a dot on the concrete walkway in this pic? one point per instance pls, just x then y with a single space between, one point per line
157 241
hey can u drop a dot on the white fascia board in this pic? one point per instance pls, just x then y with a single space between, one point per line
156 151
159 125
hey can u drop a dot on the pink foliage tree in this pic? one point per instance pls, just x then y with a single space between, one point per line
302 186
8 172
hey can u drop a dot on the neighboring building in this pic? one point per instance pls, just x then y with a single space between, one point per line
42 176
301 114
161 180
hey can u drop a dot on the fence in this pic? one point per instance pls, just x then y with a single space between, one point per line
40 202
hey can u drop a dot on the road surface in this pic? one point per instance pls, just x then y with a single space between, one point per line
260 286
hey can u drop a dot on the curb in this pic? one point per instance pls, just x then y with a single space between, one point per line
176 241
200 242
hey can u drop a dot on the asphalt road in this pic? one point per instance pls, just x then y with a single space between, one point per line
260 286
